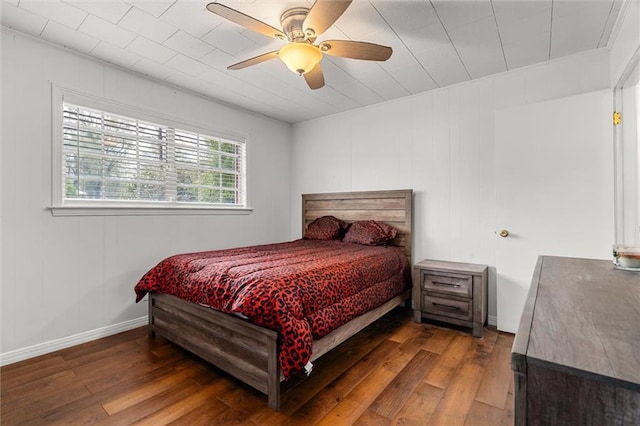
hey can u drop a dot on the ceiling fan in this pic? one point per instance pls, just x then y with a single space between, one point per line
300 27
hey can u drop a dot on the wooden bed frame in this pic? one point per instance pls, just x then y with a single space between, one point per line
250 352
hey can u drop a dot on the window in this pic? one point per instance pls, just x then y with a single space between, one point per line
117 160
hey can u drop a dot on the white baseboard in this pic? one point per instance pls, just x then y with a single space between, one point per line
492 320
65 342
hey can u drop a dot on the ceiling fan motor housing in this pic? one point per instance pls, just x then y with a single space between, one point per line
292 21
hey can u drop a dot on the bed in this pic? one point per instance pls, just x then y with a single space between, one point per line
253 353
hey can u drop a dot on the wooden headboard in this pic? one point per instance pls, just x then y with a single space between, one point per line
391 207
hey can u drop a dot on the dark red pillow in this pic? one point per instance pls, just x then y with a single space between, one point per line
370 232
325 228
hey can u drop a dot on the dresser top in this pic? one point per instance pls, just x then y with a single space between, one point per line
582 316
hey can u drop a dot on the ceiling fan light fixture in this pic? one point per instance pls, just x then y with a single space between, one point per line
300 57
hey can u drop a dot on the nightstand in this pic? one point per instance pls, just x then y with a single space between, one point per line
451 292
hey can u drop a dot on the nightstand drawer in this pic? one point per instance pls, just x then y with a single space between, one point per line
460 309
449 284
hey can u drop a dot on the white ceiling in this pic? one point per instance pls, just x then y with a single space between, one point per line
435 44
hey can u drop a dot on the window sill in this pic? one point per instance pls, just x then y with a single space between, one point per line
84 210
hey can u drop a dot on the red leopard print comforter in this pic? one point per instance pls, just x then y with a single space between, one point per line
303 289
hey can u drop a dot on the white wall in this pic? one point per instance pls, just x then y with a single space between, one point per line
63 276
440 144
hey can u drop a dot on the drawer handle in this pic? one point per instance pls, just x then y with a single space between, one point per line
440 305
454 285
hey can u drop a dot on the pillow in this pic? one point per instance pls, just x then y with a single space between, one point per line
325 228
370 232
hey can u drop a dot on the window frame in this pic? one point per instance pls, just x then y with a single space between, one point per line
93 207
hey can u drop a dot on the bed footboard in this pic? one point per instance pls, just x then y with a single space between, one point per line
244 350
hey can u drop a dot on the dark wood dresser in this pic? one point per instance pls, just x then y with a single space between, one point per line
576 355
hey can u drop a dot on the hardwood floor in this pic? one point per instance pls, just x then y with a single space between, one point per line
394 372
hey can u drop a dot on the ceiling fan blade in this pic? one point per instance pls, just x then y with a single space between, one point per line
356 50
315 77
253 61
322 15
245 20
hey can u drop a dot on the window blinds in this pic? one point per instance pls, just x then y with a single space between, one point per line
113 157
